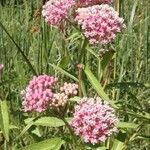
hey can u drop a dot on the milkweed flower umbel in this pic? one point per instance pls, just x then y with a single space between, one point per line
100 23
92 2
94 120
54 11
38 94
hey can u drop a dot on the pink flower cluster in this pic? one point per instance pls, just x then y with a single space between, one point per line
100 23
38 94
92 2
55 11
69 89
1 67
66 91
94 120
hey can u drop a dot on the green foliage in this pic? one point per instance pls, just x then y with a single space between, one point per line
51 144
49 121
4 119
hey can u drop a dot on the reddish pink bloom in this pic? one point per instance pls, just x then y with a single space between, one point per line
92 2
100 23
94 120
55 11
38 94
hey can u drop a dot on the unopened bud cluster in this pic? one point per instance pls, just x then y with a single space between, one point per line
70 89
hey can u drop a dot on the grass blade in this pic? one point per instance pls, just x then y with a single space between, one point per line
4 119
20 50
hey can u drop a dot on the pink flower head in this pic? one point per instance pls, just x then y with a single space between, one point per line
55 11
70 89
100 23
94 120
38 94
93 2
1 67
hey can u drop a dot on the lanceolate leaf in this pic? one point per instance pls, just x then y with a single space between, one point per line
106 59
50 144
27 127
49 121
97 86
43 121
4 119
64 72
118 145
64 62
119 142
127 125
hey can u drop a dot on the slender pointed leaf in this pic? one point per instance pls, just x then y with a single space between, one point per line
49 121
64 72
127 125
97 86
4 119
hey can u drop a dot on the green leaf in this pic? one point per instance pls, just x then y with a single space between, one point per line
127 125
49 122
143 137
97 86
101 148
130 26
27 127
119 142
75 99
43 121
64 72
4 119
93 53
13 127
28 120
36 131
50 144
118 145
64 61
106 59
69 119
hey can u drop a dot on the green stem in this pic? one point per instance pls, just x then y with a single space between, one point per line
71 132
82 51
